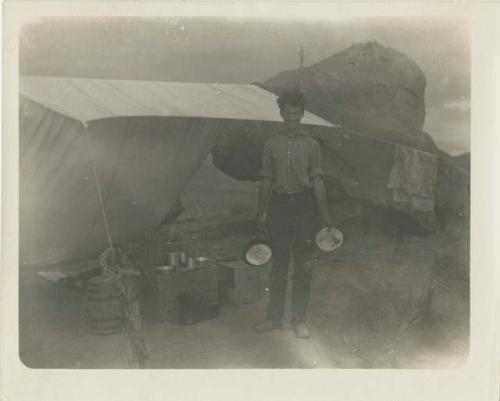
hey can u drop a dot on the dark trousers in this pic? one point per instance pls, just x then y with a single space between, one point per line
292 225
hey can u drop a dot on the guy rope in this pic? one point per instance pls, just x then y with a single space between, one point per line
114 264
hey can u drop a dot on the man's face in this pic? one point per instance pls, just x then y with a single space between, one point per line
291 116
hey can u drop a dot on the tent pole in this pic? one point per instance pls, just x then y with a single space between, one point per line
98 185
300 88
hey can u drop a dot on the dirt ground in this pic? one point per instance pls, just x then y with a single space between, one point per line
370 306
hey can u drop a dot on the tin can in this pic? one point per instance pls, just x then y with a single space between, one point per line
191 262
173 259
182 258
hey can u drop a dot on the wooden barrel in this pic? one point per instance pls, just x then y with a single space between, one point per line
104 305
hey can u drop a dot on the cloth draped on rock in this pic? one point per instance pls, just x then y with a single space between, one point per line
412 180
365 171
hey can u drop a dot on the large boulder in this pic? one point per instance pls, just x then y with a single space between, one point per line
238 152
367 87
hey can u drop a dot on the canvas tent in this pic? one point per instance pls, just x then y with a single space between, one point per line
145 140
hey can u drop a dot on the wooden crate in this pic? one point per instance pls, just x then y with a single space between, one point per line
160 291
240 283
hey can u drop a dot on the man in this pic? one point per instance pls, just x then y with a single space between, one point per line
292 192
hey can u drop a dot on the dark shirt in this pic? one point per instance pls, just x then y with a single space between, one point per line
291 162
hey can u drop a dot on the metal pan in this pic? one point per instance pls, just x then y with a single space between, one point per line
257 252
329 240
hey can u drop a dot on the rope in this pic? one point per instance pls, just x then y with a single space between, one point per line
374 139
98 185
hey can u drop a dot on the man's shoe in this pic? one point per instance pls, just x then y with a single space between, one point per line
301 330
268 325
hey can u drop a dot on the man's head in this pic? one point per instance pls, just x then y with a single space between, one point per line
292 106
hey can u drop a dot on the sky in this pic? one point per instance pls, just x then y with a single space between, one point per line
230 50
